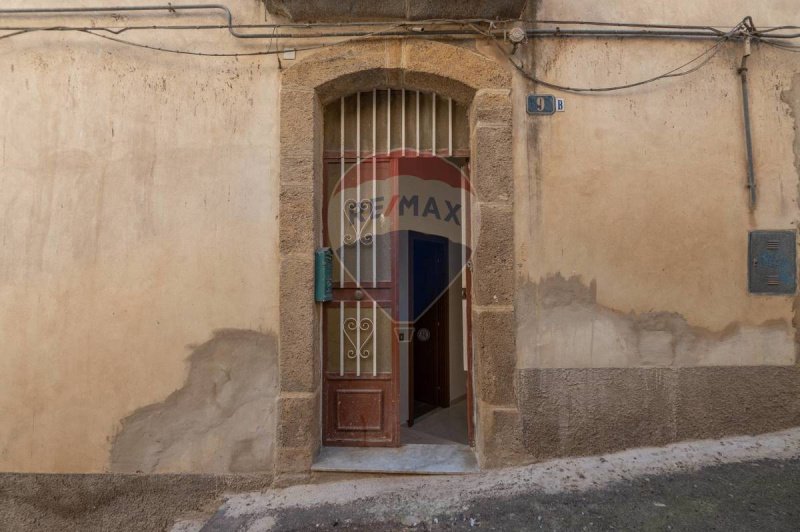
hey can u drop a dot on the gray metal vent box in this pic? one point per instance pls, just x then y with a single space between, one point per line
772 262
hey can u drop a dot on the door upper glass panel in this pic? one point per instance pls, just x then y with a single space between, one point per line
359 340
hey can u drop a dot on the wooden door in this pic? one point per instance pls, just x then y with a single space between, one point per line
370 140
363 324
360 368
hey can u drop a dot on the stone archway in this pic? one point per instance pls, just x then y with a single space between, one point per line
455 72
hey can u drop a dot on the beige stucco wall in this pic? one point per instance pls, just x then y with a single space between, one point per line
139 264
139 210
632 213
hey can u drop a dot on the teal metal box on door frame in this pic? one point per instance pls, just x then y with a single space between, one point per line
323 274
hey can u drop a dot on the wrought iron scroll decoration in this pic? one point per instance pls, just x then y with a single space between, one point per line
358 232
366 326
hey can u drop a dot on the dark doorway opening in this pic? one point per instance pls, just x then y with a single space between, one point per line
437 407
429 354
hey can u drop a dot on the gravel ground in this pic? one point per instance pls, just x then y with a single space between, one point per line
740 483
759 496
108 502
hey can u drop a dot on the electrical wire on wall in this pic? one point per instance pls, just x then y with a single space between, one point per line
269 51
495 31
693 65
780 45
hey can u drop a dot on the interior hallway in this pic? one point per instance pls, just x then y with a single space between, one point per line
442 426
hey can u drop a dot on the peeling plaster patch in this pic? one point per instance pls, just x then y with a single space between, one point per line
563 326
222 420
791 97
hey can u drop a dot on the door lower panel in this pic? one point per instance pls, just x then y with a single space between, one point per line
359 411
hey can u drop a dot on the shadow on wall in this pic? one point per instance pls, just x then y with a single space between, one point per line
221 421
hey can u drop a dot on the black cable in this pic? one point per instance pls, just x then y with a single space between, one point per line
776 28
234 28
274 27
780 45
626 25
709 30
226 12
676 72
173 51
407 28
778 35
14 34
169 8
391 31
232 54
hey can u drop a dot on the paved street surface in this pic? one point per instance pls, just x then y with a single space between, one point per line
760 496
733 484
744 483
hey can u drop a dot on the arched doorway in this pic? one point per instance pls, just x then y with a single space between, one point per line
483 87
396 208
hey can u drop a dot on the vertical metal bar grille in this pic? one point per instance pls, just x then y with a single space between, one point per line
417 124
450 129
358 232
372 218
341 197
358 189
341 338
341 238
464 213
389 121
403 124
358 339
433 126
357 323
428 123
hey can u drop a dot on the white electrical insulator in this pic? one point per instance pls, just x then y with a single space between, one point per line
516 35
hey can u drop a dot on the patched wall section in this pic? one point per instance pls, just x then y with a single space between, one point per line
571 330
221 421
643 379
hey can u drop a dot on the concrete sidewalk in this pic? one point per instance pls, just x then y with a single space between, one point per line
743 483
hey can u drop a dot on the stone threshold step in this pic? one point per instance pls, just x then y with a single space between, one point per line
419 459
